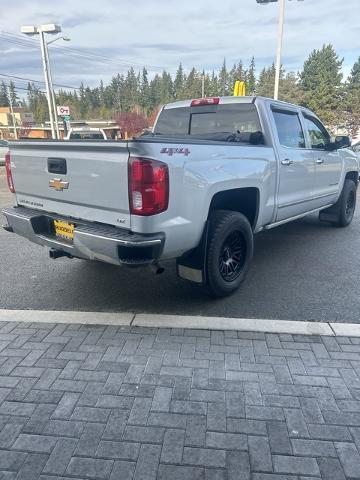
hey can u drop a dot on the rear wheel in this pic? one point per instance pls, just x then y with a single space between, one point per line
229 252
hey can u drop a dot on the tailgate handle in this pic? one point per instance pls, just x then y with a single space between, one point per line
57 165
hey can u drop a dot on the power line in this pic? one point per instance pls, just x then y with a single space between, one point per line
68 51
36 81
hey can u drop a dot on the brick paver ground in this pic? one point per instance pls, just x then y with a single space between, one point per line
97 402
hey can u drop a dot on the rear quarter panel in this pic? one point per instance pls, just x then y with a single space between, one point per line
197 173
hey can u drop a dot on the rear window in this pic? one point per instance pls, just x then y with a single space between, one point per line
86 136
232 118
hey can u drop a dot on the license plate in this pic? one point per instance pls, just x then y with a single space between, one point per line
64 230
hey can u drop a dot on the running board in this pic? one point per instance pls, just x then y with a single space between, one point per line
286 220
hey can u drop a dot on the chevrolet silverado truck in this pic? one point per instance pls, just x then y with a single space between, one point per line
212 173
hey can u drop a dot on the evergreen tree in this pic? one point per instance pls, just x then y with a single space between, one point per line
155 91
84 101
224 80
214 85
131 94
192 88
179 83
317 86
37 102
4 99
265 85
250 78
13 95
144 91
289 89
320 80
166 88
352 100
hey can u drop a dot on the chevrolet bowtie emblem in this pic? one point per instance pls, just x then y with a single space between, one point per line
58 184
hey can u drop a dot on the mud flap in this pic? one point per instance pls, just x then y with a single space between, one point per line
330 214
191 265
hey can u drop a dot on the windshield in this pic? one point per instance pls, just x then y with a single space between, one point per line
229 118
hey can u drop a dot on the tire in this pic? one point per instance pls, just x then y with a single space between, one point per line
345 206
230 247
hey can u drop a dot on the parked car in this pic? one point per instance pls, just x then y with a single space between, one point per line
4 147
213 172
86 133
356 148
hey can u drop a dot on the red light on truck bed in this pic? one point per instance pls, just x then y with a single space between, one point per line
205 101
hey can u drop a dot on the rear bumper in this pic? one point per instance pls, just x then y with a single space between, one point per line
92 241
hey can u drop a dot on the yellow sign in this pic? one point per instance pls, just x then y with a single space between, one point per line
64 230
239 89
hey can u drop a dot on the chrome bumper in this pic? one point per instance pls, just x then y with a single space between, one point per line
92 241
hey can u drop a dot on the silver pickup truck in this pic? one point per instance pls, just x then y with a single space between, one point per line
211 174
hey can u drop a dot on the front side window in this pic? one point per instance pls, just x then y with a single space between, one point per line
289 129
319 137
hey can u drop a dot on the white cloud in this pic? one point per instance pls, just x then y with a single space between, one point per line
164 32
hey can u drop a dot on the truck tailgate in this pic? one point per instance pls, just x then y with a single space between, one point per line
86 180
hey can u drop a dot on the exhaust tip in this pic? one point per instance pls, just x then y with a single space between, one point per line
157 268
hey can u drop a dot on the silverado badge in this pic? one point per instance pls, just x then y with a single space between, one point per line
58 184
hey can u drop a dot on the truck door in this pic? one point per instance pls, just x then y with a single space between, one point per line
328 164
296 164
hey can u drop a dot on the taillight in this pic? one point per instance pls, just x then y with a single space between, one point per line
148 186
8 173
205 101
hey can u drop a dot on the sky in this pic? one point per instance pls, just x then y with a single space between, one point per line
159 34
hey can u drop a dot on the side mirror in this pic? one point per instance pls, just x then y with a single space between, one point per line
342 141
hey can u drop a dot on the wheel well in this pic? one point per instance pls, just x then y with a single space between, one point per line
354 176
242 200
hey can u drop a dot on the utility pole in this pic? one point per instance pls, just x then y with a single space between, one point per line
50 28
12 114
203 85
52 93
279 41
47 82
279 48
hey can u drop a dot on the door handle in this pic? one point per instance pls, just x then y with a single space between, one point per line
319 161
287 161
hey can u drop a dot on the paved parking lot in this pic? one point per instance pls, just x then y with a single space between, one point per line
301 271
97 402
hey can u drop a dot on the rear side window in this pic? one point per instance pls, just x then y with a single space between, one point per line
232 118
173 121
289 129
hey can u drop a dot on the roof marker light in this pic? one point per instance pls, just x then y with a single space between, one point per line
205 101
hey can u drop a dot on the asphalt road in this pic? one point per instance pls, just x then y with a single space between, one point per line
304 270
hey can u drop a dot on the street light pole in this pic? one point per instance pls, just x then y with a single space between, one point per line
12 114
279 47
53 98
279 41
50 96
52 93
47 81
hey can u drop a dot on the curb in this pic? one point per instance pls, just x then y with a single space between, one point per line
182 321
